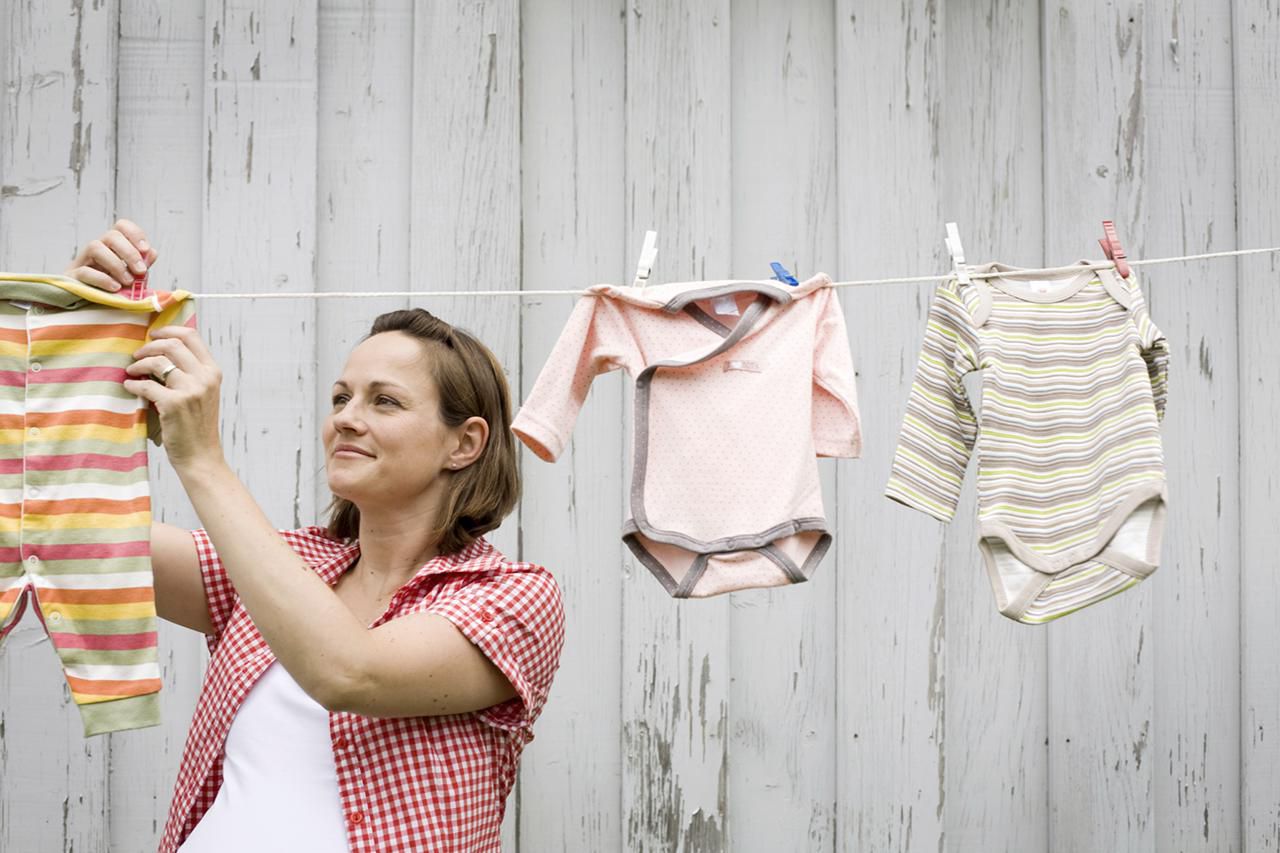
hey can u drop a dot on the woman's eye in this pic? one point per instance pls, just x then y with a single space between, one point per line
388 401
339 399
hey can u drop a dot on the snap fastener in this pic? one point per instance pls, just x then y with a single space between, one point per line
36 367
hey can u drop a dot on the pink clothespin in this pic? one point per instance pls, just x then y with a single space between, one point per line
1112 249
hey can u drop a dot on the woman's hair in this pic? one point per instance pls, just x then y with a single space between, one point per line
470 383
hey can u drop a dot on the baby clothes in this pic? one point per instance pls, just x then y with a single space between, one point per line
738 386
75 507
1070 479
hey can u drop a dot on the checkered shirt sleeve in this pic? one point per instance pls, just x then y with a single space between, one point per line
517 619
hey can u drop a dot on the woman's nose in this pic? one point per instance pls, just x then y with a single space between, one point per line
348 419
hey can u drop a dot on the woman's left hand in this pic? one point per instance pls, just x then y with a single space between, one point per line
177 373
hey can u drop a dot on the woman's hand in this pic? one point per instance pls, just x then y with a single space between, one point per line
113 260
176 372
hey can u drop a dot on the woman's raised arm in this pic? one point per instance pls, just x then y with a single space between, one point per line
180 595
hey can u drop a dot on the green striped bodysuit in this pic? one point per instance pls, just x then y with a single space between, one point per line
1071 479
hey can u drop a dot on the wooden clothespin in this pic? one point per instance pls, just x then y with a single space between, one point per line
956 250
1111 247
647 255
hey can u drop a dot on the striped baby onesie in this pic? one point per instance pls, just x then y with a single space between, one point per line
75 507
1070 475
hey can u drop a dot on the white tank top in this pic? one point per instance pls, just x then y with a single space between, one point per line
279 783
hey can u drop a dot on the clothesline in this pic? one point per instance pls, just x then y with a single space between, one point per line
919 279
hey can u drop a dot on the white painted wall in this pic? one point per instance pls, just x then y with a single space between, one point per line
885 706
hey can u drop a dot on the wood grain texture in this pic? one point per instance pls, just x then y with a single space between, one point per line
1191 201
997 787
885 706
57 182
1256 26
159 167
1101 674
676 655
364 140
259 234
464 213
782 700
573 221
891 637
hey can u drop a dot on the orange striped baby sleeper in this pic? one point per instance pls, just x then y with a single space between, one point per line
75 506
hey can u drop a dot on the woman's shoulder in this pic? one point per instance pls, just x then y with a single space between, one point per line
316 544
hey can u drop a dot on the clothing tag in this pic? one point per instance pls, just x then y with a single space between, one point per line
725 306
741 364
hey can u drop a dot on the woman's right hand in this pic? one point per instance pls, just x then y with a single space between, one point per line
115 259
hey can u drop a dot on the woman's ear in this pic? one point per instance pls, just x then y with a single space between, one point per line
473 437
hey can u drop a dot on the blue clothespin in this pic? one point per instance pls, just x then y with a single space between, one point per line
781 274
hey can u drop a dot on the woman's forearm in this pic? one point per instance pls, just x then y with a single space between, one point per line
308 628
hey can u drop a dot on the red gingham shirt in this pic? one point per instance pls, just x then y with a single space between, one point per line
414 784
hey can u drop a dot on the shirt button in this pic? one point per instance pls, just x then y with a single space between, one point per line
486 615
54 617
34 431
528 735
356 818
36 367
340 742
33 560
33 492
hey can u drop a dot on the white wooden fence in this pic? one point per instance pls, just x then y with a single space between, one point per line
453 144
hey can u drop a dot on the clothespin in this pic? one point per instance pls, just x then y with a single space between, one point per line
956 250
1111 247
647 254
782 274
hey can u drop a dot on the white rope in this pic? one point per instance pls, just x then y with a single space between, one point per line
918 279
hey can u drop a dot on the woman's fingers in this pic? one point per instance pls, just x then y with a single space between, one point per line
94 278
122 254
191 340
120 245
134 235
170 349
153 366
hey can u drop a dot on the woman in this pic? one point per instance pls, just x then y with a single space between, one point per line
372 683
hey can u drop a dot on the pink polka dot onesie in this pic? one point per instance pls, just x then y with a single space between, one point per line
739 385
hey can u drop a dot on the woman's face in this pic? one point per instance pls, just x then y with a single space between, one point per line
384 441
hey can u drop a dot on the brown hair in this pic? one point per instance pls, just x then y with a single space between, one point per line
470 383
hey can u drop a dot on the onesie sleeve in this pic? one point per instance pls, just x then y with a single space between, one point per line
837 427
1155 349
180 312
596 339
939 428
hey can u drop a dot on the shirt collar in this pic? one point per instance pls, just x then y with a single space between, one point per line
469 559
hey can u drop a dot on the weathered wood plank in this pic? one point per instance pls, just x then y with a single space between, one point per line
572 140
259 234
1191 198
1101 688
676 655
996 755
56 170
1257 79
782 771
891 711
465 184
364 132
159 165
